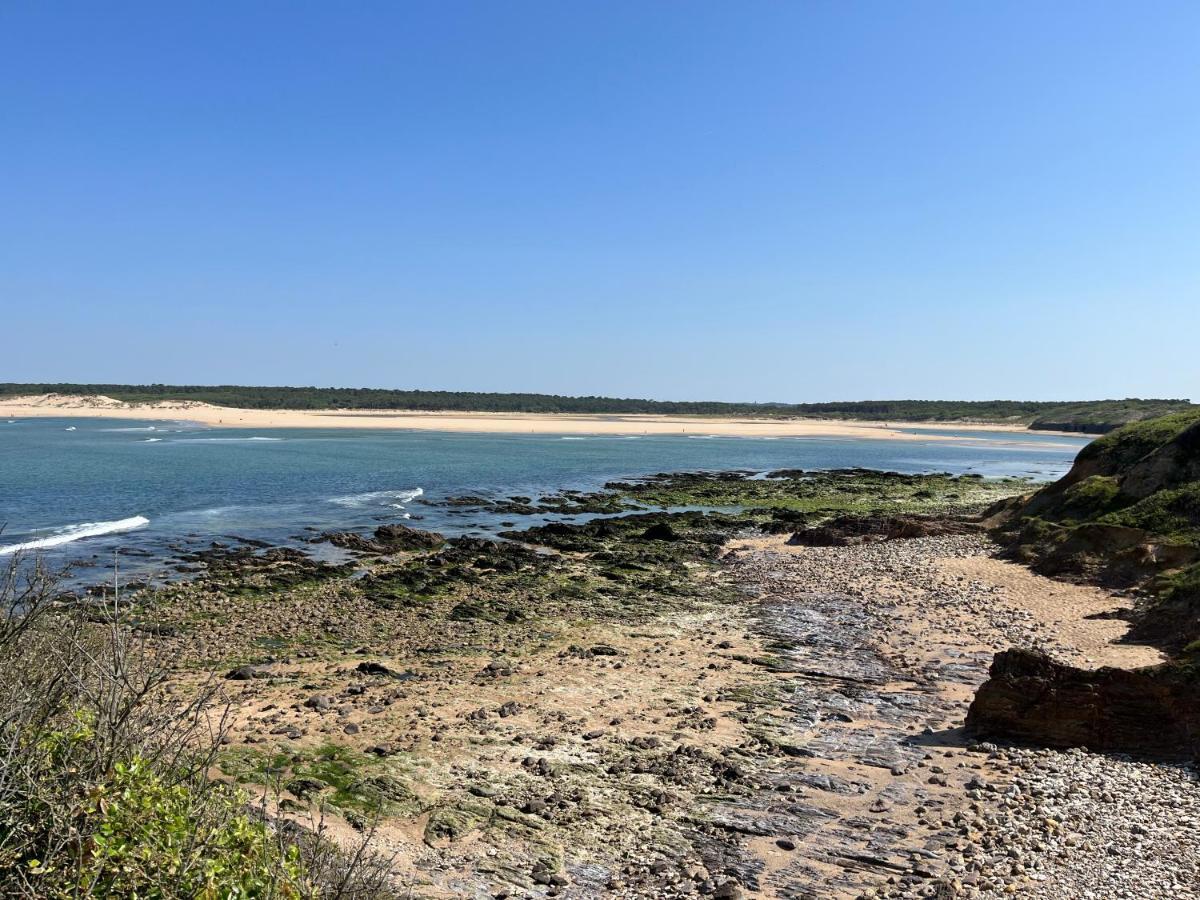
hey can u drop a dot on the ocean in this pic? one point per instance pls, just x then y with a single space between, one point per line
76 490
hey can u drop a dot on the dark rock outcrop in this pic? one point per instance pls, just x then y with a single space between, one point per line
845 530
1030 698
401 537
387 539
660 532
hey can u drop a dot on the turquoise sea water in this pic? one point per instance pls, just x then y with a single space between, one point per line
75 489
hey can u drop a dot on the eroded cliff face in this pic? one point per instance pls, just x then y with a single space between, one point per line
1031 698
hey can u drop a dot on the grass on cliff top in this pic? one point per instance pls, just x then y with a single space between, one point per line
1055 532
1171 512
1095 416
1172 515
1122 448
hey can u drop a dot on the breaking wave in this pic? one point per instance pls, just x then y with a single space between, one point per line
77 532
394 499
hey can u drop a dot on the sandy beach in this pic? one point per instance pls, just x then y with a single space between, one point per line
54 405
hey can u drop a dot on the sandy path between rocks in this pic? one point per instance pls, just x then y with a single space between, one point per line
1067 609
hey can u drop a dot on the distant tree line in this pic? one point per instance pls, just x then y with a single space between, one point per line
1092 415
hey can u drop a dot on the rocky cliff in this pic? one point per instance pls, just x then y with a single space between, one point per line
1127 515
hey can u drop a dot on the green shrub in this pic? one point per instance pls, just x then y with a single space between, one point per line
104 787
146 835
1089 499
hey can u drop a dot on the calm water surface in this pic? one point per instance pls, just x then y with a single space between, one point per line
76 489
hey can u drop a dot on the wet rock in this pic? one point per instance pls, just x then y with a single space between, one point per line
660 532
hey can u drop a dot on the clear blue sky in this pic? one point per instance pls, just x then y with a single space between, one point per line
733 200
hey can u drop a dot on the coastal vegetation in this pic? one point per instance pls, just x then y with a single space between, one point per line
1095 416
1127 514
105 786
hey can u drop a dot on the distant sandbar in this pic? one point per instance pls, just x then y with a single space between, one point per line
56 405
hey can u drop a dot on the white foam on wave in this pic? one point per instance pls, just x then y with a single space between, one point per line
150 440
573 438
238 440
77 532
394 499
134 428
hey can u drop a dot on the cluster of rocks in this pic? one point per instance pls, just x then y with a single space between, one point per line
816 755
1067 825
992 822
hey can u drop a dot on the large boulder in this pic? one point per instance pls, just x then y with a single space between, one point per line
1031 698
401 537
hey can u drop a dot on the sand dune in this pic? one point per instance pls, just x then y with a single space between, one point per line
59 405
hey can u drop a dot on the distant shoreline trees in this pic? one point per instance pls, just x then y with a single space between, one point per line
1088 416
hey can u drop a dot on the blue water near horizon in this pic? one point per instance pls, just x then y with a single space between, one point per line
77 489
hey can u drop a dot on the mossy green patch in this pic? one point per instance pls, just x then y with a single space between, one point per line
1091 498
334 774
1172 514
1122 448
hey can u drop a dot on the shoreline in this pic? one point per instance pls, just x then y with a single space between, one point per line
52 406
847 739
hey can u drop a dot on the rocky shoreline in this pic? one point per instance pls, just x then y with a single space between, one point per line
931 811
679 704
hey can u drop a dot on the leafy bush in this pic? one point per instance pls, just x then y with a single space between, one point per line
104 787
149 835
1089 499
